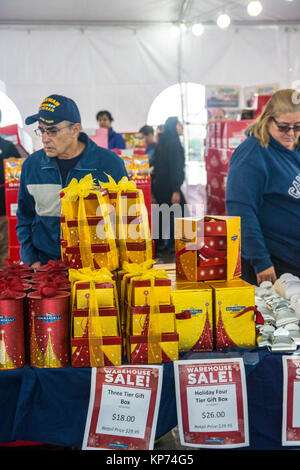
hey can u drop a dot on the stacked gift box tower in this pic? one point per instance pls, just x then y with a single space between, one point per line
98 331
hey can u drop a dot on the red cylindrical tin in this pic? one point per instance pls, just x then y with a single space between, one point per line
49 330
12 355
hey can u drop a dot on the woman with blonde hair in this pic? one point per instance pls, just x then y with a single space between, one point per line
263 188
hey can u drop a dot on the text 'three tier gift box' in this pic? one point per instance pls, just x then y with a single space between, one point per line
208 248
234 310
142 350
49 329
193 305
12 351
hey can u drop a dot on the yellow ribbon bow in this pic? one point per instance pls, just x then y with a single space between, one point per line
123 185
81 188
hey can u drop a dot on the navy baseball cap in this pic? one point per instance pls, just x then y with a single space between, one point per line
55 109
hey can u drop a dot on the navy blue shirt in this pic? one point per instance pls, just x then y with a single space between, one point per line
263 188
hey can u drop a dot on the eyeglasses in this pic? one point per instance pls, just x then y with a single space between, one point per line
285 129
51 132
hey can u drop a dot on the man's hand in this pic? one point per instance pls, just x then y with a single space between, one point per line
266 275
36 265
175 199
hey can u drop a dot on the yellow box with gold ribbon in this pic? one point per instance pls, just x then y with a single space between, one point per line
193 304
141 351
106 322
107 351
104 290
92 289
234 304
138 319
142 293
208 248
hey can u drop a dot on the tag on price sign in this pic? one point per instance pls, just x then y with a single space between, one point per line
291 401
123 408
211 399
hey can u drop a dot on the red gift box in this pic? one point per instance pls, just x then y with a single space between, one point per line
14 252
234 133
217 160
216 185
216 205
12 233
11 201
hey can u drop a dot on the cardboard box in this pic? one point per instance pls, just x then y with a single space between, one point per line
11 201
217 160
111 347
107 322
234 133
234 303
216 205
19 137
12 234
194 315
216 185
138 319
139 351
189 255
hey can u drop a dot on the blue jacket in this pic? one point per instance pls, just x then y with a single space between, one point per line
115 140
39 205
263 187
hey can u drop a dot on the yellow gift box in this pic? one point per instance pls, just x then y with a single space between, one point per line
104 290
101 257
96 203
208 248
140 351
110 352
141 292
138 318
194 315
97 231
234 303
106 321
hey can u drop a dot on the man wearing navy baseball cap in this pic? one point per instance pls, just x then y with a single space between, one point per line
67 153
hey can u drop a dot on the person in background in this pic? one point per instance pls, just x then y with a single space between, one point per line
263 188
219 115
7 150
115 140
147 133
67 153
169 173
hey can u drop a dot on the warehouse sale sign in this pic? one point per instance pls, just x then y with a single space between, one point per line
123 408
211 402
291 401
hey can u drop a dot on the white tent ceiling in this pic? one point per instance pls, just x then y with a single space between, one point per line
118 54
142 11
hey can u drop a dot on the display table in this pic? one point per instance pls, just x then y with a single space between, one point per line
50 405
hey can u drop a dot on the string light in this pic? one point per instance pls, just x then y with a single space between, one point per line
197 29
254 8
175 30
223 21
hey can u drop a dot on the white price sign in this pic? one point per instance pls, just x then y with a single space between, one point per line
211 402
123 408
